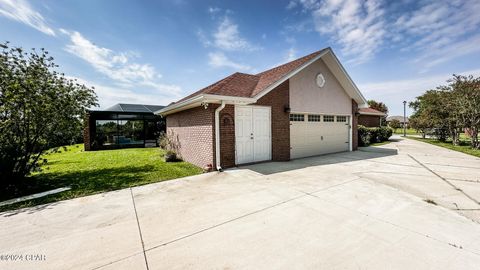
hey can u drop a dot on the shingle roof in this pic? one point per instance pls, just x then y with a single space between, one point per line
123 107
248 85
397 117
370 111
270 76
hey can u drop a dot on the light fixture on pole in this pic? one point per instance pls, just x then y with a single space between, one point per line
404 118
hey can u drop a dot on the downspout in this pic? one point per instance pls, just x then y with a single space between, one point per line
217 135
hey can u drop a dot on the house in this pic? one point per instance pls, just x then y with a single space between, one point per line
123 125
400 119
370 117
303 108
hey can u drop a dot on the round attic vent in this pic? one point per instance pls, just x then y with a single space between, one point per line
320 80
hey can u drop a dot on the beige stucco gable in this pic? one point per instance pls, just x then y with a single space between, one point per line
307 97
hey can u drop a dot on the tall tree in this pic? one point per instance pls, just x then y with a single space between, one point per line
379 106
451 108
465 103
39 108
431 108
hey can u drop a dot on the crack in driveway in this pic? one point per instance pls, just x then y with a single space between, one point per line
445 180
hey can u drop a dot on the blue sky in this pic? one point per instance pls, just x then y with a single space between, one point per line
155 52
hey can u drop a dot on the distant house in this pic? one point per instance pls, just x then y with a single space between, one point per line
123 125
399 118
370 117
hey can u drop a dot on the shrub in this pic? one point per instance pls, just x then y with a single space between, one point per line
366 135
169 143
363 136
385 133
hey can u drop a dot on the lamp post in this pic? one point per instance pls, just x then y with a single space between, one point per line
404 118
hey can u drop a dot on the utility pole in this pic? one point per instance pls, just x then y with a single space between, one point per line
404 118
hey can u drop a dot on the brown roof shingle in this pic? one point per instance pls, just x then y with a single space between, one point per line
248 85
370 110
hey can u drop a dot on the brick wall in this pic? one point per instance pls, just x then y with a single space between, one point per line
227 136
369 120
354 125
193 131
87 133
278 99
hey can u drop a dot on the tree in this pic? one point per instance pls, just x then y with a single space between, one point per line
430 107
451 108
465 100
421 124
39 109
395 124
379 106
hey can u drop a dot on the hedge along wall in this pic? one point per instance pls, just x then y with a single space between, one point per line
366 135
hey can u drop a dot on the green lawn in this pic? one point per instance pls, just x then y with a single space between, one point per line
380 143
464 148
410 131
96 171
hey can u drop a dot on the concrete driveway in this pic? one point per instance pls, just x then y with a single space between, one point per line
361 210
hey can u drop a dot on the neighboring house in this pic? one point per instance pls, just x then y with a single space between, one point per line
302 108
370 117
123 125
399 118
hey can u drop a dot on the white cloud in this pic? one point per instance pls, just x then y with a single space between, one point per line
441 30
219 59
117 66
109 95
21 11
394 92
357 26
291 4
227 37
213 10
291 54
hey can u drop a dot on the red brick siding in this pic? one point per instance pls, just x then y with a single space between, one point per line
227 136
193 129
354 125
369 120
278 99
87 129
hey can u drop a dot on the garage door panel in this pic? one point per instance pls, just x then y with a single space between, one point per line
317 138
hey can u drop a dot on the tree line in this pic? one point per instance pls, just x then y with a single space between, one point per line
449 110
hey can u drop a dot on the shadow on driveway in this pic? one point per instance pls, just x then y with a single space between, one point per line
363 153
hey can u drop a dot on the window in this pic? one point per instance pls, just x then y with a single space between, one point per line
328 118
297 117
314 118
320 80
341 118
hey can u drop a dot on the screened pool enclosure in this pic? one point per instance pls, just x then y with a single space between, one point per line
123 125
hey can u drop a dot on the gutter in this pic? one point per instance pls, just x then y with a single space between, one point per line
204 98
217 135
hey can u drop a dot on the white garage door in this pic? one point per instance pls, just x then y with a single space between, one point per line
312 135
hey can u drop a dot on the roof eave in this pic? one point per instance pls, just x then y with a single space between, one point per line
204 99
372 113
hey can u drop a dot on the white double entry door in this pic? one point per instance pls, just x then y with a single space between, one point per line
253 134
